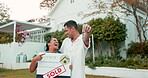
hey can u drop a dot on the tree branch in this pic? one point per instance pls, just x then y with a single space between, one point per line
126 19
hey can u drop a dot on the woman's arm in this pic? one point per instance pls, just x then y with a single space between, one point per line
34 62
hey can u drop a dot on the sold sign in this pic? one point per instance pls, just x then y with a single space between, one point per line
55 72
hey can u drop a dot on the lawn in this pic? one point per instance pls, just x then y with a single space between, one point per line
25 73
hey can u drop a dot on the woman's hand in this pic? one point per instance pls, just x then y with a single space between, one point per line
38 58
70 67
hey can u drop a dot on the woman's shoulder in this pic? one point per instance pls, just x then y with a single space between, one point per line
59 52
42 52
47 52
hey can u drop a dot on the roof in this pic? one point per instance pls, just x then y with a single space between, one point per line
55 6
9 26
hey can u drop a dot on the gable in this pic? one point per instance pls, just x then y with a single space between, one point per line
64 8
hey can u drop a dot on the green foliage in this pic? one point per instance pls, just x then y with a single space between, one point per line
114 31
89 62
96 28
57 34
117 52
136 48
29 60
97 32
109 29
80 28
135 62
5 38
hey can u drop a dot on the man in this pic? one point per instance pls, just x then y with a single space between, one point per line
76 45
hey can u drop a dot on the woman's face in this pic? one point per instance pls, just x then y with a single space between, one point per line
53 44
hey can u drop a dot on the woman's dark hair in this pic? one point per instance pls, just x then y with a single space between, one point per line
47 48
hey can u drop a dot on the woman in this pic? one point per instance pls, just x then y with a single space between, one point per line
51 47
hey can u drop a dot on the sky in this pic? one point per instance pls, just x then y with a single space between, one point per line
23 10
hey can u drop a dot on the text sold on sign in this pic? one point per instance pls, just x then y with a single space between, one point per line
55 72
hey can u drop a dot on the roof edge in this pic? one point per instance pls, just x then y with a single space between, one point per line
55 6
31 23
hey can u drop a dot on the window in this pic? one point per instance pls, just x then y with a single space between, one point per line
141 21
141 26
71 1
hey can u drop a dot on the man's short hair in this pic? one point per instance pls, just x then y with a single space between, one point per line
71 23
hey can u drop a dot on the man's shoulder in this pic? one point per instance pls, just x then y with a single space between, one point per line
67 39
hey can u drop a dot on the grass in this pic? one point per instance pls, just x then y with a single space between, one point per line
22 73
25 73
94 76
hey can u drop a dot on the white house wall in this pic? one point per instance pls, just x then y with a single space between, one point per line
9 53
67 11
131 30
6 57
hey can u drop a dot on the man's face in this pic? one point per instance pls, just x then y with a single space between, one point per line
68 31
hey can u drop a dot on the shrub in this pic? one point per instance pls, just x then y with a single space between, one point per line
136 48
134 62
6 38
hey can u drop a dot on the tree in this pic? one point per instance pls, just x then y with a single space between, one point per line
48 4
42 19
113 32
6 38
128 8
21 35
45 4
110 30
134 5
97 32
4 13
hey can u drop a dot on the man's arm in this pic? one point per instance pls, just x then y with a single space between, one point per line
86 34
34 62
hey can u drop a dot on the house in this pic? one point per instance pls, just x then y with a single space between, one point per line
65 10
15 55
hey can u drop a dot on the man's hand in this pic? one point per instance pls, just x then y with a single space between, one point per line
86 34
86 28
